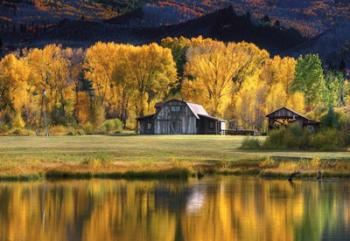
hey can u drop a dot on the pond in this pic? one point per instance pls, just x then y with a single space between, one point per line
213 208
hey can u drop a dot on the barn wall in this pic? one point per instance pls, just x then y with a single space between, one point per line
146 126
209 126
175 118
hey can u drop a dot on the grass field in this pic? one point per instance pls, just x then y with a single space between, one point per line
140 148
26 154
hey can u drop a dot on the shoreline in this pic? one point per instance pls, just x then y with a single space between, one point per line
267 169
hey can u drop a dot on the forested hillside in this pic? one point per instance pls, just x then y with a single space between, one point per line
310 17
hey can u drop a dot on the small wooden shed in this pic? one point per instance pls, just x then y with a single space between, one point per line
286 116
180 117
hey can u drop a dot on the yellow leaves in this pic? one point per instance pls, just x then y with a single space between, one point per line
277 97
297 102
211 65
100 62
249 104
232 80
82 107
14 75
218 70
266 90
279 73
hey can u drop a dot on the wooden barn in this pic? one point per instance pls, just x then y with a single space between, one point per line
180 117
285 116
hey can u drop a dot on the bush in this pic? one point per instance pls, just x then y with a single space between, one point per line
344 121
329 139
76 132
251 144
112 126
4 128
295 137
20 132
268 163
292 137
315 163
59 130
331 119
88 128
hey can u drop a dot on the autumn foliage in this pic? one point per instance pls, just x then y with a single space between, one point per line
84 87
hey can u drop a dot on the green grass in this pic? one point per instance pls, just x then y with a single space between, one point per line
132 155
140 149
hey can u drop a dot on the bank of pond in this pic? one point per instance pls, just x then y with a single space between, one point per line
294 168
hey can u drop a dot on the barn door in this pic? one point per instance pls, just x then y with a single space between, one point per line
175 127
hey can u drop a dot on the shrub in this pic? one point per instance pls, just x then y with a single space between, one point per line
292 137
329 139
76 132
344 121
21 132
251 144
88 128
331 119
112 126
289 165
4 128
59 130
275 139
295 137
268 163
315 163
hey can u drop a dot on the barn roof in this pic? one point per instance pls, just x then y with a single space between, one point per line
197 110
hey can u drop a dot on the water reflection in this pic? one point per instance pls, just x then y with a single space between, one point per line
212 209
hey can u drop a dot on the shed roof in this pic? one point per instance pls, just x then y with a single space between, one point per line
287 109
294 113
145 117
212 117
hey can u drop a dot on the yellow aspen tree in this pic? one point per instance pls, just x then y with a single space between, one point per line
216 71
153 71
249 105
99 65
50 82
210 68
14 75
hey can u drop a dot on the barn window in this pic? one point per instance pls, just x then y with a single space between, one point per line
149 126
175 108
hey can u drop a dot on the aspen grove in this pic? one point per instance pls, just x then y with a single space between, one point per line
85 87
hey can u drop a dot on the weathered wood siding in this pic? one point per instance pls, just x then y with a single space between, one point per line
175 117
208 126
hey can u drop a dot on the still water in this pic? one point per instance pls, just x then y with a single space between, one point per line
215 208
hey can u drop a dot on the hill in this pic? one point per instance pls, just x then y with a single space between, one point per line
223 25
310 17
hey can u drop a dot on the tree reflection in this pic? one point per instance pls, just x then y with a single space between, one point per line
213 209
